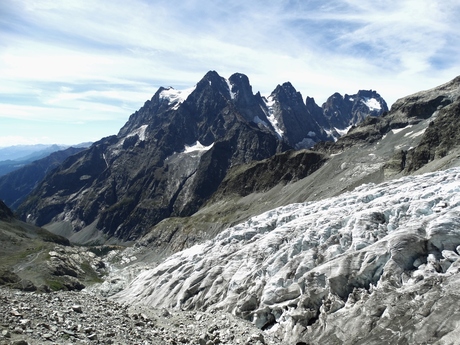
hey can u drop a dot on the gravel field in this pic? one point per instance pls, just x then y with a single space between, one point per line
85 318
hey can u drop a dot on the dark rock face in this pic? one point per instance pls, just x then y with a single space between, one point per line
15 186
438 105
439 138
260 176
292 118
303 125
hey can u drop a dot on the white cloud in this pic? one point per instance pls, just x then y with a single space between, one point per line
65 59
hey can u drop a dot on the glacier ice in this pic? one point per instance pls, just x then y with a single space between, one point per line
294 265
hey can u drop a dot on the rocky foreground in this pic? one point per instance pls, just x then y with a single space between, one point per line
85 318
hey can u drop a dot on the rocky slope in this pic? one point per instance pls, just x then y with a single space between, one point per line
85 318
172 156
372 258
34 259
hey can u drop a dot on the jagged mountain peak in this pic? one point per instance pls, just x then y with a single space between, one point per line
343 112
286 92
147 173
214 80
240 87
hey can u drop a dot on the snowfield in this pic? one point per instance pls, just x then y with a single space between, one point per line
302 264
372 104
176 97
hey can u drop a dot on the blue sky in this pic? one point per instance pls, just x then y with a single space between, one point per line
73 71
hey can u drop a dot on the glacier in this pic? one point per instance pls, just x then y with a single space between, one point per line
311 269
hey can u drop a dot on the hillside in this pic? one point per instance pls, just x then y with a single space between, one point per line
17 185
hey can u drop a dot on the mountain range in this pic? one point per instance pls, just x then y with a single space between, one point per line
15 157
15 186
319 225
174 153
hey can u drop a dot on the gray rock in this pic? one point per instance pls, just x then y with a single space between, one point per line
77 308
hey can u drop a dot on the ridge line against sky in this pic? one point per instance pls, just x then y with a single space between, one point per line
74 71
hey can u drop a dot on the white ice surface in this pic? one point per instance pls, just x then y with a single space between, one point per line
344 131
271 254
138 131
232 94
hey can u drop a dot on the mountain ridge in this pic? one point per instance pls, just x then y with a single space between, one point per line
120 186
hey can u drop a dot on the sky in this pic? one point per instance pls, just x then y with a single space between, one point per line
74 71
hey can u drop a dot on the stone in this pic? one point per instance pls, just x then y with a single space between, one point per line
92 336
77 308
19 342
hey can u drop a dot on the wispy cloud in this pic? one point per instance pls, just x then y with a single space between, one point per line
98 62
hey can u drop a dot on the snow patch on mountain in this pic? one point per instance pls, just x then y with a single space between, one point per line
397 130
258 120
281 267
416 134
269 103
197 146
372 104
232 94
139 132
341 132
305 143
176 97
